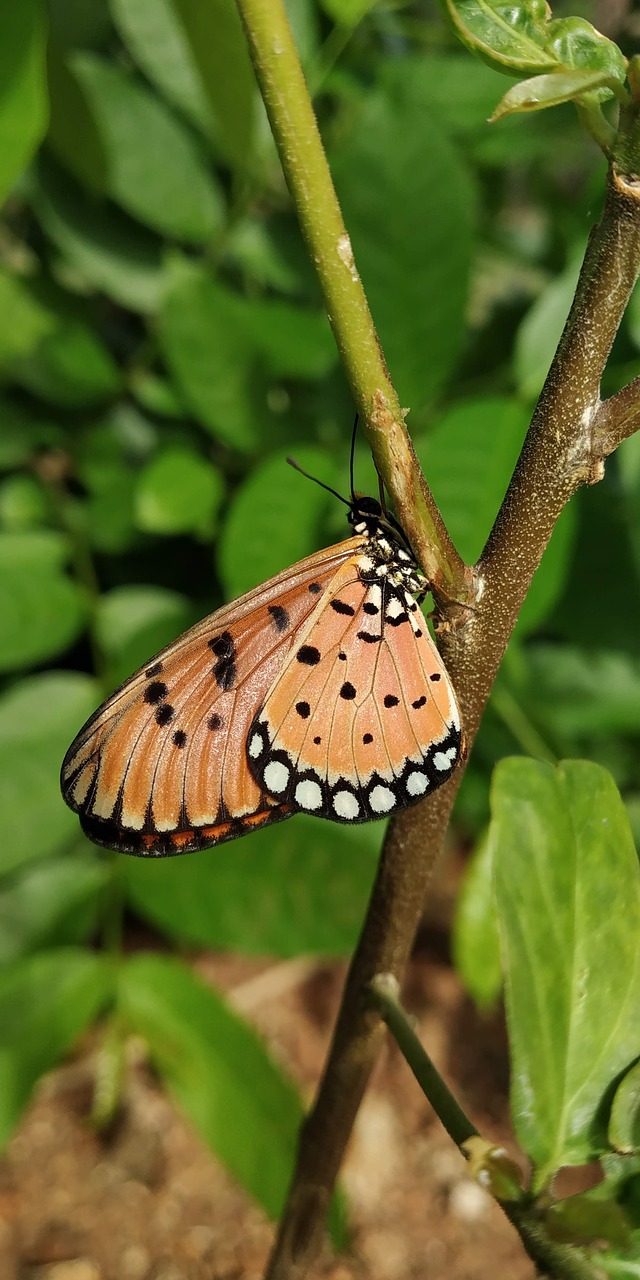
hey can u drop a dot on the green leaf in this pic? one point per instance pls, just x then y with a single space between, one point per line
475 940
46 1001
132 623
157 40
110 251
178 492
219 1072
219 48
212 359
347 13
70 367
566 874
38 719
410 252
73 135
273 520
41 609
510 37
225 351
550 90
539 334
298 887
551 575
154 167
583 693
28 320
624 1122
23 93
50 901
468 459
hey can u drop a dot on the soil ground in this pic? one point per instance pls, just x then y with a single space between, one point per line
151 1203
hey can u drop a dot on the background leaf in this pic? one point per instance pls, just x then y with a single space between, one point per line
23 97
566 873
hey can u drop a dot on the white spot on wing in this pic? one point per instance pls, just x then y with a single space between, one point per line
276 776
346 805
308 794
417 783
381 799
395 607
444 759
255 746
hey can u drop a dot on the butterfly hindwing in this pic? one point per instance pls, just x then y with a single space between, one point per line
161 767
362 719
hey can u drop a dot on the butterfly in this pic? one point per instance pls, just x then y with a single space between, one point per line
320 691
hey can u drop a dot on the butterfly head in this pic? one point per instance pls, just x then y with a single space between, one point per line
386 544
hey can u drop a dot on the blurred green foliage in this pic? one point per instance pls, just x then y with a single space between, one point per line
164 346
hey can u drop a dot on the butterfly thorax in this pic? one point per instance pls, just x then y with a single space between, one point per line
386 553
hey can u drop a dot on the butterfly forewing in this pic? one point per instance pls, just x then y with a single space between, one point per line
161 767
362 719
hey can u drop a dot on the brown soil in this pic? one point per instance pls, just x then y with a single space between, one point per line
151 1203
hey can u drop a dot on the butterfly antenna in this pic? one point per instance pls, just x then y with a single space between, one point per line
296 466
383 500
352 456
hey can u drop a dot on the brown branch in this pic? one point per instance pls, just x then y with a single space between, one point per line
558 456
617 418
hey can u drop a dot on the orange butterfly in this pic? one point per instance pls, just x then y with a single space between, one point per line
320 691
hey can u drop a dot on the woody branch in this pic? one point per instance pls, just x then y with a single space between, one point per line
571 433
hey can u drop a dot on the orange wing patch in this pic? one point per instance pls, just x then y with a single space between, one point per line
362 719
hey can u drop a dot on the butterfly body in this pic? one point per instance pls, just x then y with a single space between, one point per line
319 692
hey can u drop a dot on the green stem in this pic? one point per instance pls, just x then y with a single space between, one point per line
384 994
306 170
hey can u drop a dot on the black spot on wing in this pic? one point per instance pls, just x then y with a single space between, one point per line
390 700
155 692
419 702
317 741
370 607
367 738
347 691
280 617
341 606
303 709
309 655
153 671
435 675
315 588
164 714
368 637
214 722
179 738
224 670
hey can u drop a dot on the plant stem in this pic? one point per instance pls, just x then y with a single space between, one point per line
306 170
561 452
384 994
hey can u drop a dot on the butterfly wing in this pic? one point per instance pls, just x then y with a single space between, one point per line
161 767
362 719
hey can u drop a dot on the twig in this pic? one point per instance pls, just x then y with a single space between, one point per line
562 451
304 162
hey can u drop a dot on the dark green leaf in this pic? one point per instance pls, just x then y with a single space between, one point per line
73 136
178 492
133 623
348 13
468 459
23 91
157 40
110 251
154 167
551 575
299 886
46 1001
273 520
583 693
41 609
50 901
70 367
409 251
38 719
219 49
566 874
624 1122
